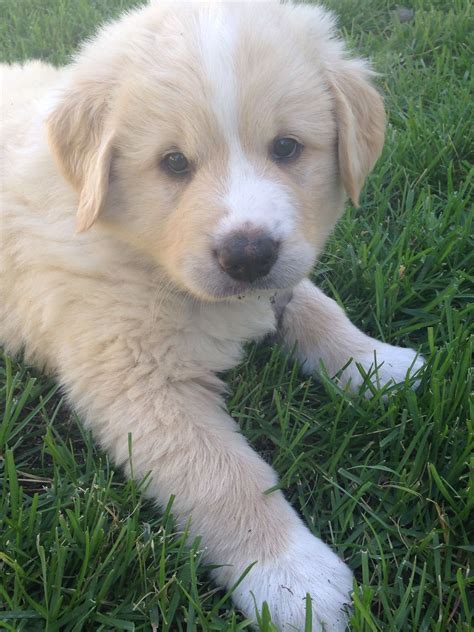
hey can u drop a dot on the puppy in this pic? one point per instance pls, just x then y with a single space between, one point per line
164 199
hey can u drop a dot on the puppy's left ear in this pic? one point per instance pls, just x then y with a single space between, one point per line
359 110
360 119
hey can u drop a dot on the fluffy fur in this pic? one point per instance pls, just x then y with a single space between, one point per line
108 273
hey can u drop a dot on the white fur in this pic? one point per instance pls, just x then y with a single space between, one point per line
331 342
132 314
254 201
307 562
217 39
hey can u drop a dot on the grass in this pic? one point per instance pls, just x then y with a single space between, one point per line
389 482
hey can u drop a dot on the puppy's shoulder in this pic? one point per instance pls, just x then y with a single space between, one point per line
22 84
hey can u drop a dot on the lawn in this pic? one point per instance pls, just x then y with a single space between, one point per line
386 480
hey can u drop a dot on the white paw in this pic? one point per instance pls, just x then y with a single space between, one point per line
384 364
308 566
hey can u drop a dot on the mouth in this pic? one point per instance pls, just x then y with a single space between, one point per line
222 287
240 289
208 281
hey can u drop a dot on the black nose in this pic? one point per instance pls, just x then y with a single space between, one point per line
247 256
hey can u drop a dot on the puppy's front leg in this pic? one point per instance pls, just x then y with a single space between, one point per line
192 449
319 332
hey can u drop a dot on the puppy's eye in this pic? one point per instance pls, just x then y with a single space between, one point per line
176 162
286 148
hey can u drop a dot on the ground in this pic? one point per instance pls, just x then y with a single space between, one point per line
386 481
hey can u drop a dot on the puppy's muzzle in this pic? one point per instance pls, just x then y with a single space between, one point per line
247 256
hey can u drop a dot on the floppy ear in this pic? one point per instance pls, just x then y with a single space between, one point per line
82 146
360 122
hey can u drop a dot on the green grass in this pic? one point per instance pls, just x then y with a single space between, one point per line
386 481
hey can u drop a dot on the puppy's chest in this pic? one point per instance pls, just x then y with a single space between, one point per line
220 330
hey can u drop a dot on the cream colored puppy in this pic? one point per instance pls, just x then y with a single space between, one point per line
164 199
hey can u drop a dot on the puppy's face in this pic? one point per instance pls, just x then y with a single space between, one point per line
220 145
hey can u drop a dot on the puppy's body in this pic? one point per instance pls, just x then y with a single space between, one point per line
136 316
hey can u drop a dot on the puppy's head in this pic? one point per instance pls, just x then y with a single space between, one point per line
218 139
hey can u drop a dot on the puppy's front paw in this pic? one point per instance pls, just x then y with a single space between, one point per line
383 364
308 566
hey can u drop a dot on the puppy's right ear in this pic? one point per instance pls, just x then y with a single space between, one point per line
82 146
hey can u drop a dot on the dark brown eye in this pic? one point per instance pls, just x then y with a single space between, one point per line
176 162
285 148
